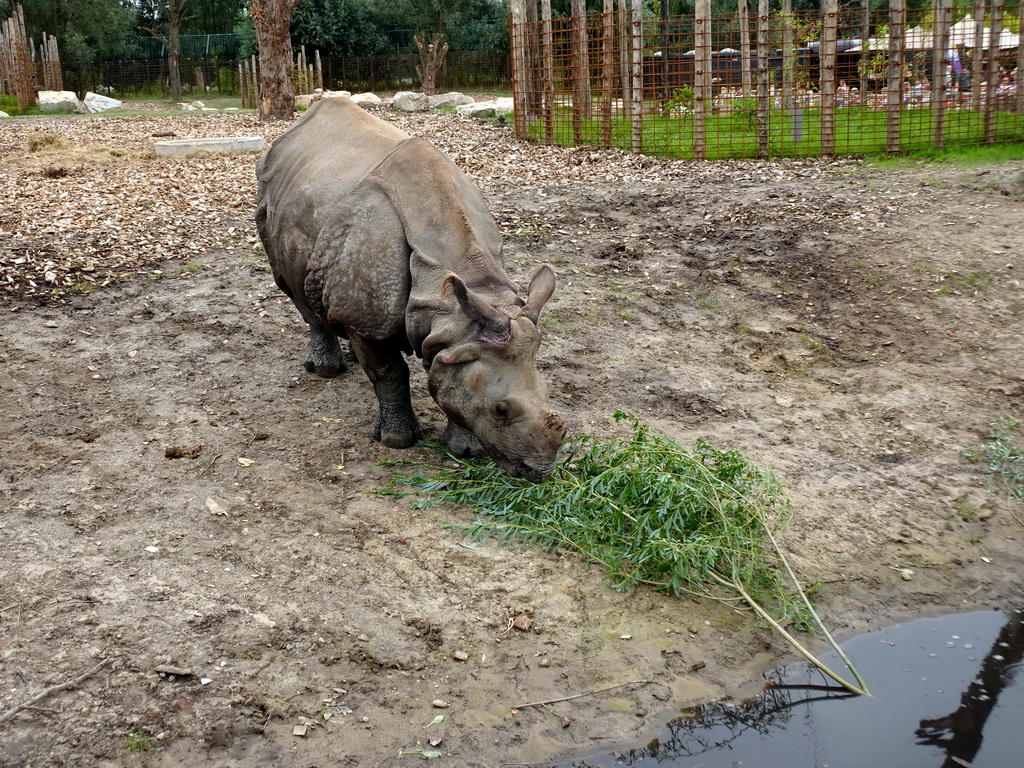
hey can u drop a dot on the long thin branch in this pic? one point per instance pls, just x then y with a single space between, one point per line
52 690
581 695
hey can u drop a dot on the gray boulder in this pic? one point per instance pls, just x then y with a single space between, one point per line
94 102
59 101
451 99
411 101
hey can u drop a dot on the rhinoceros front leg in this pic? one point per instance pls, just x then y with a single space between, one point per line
396 424
325 357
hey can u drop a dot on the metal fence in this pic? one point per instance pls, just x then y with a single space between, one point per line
149 78
763 85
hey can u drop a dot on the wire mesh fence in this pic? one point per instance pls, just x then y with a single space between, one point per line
768 84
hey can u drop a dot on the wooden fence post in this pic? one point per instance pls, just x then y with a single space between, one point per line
940 60
788 58
519 74
548 53
1019 101
702 96
762 79
894 98
580 70
977 53
992 102
865 52
625 48
745 78
607 71
827 75
636 70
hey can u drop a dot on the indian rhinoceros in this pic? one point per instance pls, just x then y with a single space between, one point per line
379 238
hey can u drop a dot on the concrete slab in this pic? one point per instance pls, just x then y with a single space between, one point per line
181 147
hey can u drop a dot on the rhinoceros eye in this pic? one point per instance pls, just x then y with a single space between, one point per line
502 409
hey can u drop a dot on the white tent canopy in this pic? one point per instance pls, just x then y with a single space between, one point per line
964 34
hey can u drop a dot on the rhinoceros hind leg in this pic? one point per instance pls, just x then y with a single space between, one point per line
396 424
325 357
461 441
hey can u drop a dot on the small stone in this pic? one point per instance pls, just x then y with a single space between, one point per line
440 703
544 663
460 656
299 730
906 574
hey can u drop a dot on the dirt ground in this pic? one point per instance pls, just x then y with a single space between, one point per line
853 328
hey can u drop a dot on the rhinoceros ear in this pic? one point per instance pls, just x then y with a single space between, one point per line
463 353
542 285
494 325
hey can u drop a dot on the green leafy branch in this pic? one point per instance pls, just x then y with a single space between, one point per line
701 522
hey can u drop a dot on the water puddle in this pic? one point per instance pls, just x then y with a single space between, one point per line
947 693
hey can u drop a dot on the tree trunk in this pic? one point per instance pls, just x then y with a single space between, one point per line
174 58
272 19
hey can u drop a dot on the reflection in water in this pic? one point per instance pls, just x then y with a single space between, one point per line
790 726
711 727
959 733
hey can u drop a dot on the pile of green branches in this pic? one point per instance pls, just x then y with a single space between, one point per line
690 522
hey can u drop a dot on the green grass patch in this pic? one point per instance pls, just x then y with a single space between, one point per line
1003 460
858 130
700 522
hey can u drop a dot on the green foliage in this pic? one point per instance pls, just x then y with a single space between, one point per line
1003 458
651 511
339 28
688 522
87 30
731 134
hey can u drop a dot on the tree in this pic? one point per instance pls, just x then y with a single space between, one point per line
272 19
168 32
338 27
88 30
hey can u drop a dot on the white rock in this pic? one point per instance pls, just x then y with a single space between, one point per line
451 99
504 105
478 109
3 114
180 147
411 101
59 101
338 94
94 102
365 98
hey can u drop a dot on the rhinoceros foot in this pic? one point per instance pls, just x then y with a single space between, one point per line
461 442
325 357
399 433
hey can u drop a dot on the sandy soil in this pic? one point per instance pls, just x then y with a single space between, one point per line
853 329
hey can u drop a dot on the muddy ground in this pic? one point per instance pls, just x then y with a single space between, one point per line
852 328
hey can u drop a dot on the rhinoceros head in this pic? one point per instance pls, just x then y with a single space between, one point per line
485 378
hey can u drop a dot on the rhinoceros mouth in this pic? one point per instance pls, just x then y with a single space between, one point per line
536 471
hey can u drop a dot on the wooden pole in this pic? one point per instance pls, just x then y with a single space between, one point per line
636 75
625 27
977 53
940 61
788 57
548 53
580 70
519 94
894 103
745 74
827 75
1019 100
865 53
992 102
702 96
607 72
762 79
